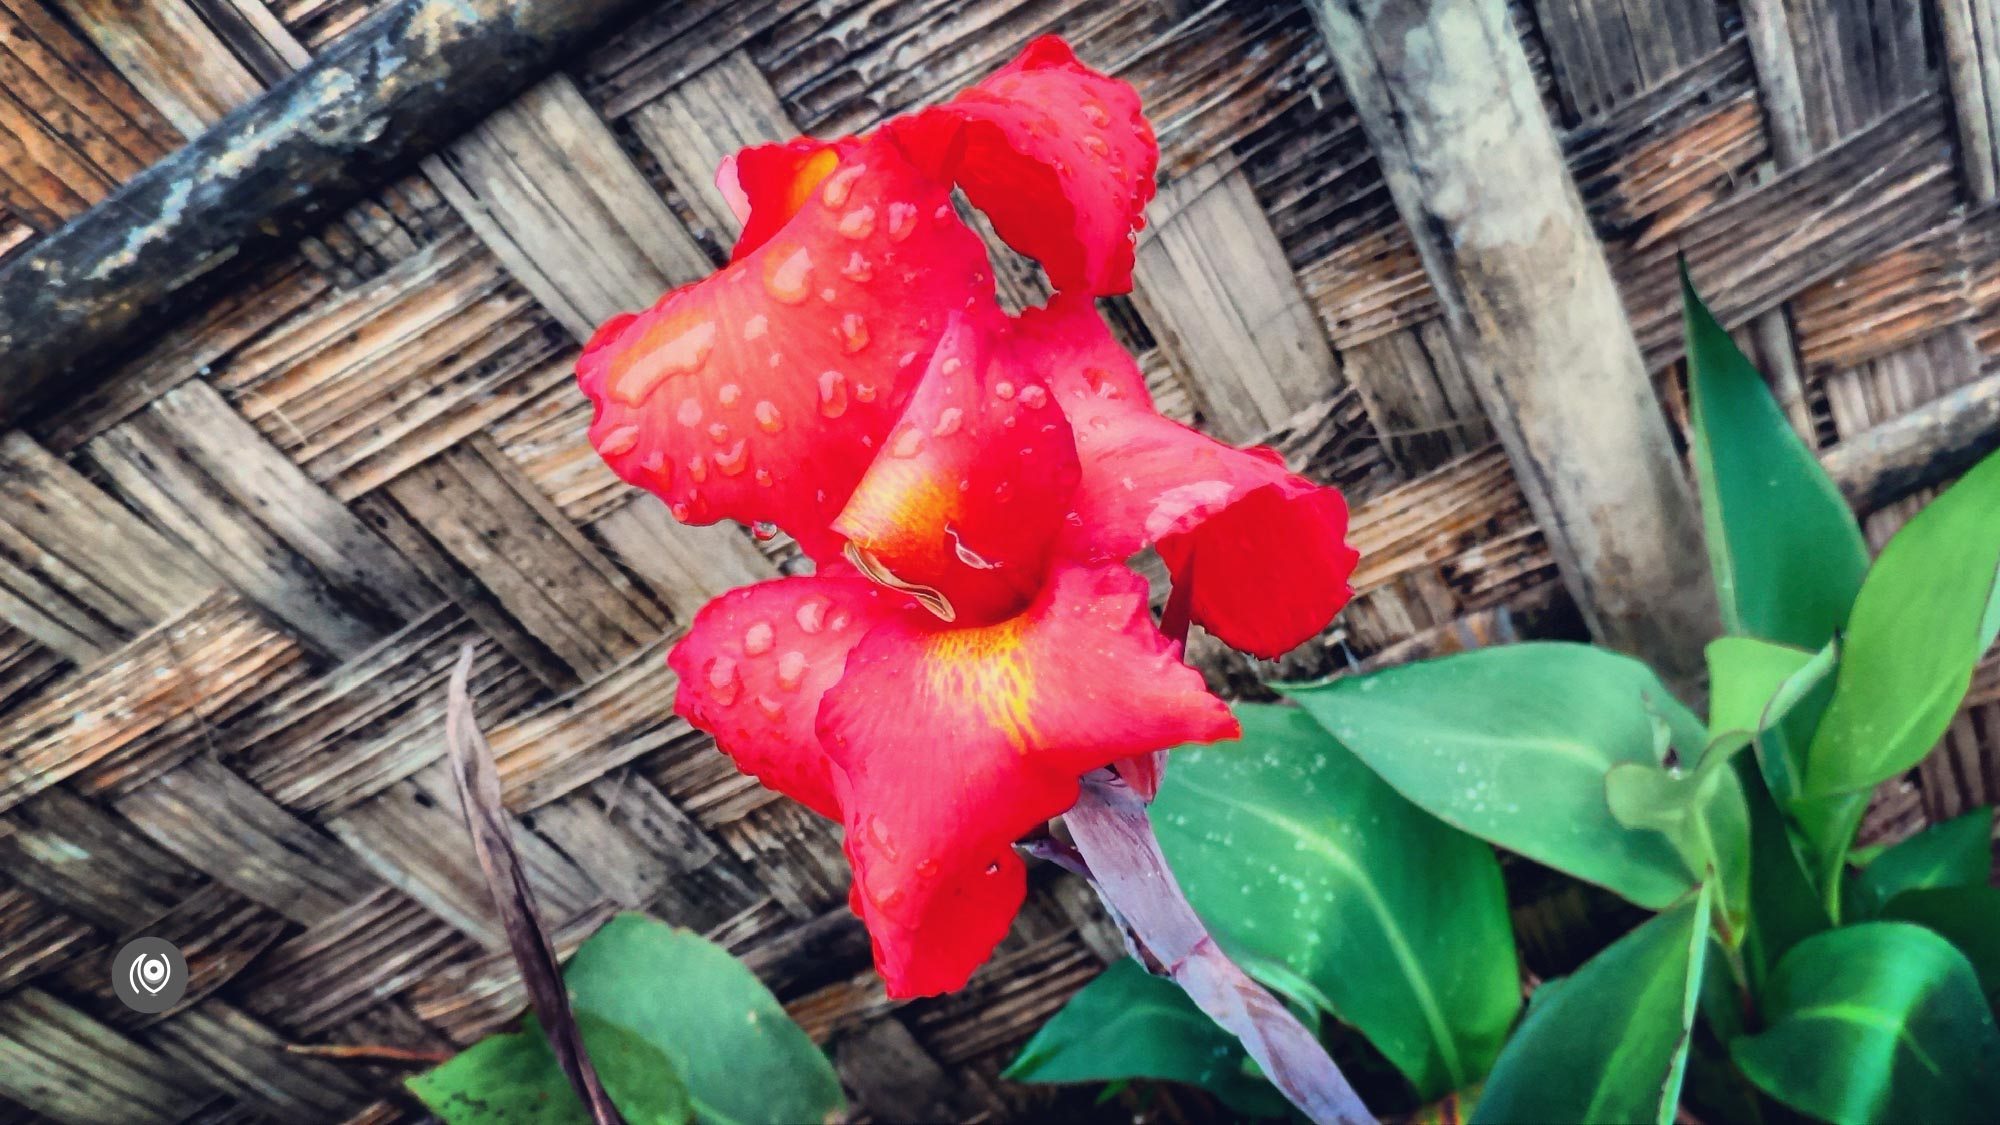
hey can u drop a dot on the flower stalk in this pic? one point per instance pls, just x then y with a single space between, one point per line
1118 852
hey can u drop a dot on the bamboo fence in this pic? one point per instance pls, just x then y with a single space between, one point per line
281 430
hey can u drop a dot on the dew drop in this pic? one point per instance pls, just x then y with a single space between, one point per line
718 432
907 442
758 638
1034 397
788 278
723 682
1096 145
927 868
902 220
756 326
697 469
734 460
689 413
791 670
906 359
680 511
853 333
685 349
858 223
620 440
949 420
763 477
768 418
993 869
951 365
771 708
832 394
811 615
1095 114
858 268
1003 389
728 393
864 392
840 185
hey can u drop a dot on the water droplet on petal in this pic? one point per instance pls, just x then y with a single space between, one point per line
758 638
791 670
771 708
1034 397
993 869
680 511
697 469
949 419
723 682
853 333
858 268
927 868
620 440
763 477
839 185
864 392
788 277
832 394
906 359
811 615
685 350
756 326
902 220
1095 114
718 432
907 442
763 531
951 365
728 393
689 413
1096 144
734 460
858 223
768 419
1003 389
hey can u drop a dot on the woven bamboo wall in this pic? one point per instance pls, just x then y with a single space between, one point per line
234 574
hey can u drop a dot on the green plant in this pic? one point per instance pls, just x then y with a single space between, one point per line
678 1030
1336 849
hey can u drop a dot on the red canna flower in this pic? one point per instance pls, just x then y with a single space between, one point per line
970 486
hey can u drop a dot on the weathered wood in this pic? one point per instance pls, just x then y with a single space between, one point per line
1925 446
1971 33
1211 281
356 115
60 1062
692 127
1452 111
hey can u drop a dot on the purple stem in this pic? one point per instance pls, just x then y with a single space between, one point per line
1121 857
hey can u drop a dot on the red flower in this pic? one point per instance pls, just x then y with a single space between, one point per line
970 485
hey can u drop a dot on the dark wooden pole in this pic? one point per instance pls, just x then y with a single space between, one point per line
1929 445
391 91
1451 110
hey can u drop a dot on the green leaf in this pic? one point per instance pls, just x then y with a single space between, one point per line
1130 1024
1608 1043
1918 628
1310 869
1968 917
513 1079
740 1056
1753 686
1785 907
1786 552
1702 811
1883 1021
1512 744
1957 853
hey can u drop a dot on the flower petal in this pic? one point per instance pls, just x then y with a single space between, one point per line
1267 547
767 185
955 742
756 663
792 362
1056 154
969 491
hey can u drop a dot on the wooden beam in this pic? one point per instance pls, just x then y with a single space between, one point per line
1451 110
381 96
1929 445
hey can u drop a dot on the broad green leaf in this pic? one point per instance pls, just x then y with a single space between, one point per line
1883 1021
1957 853
1302 860
513 1079
1968 917
1702 811
1785 907
1753 686
1130 1024
740 1056
1787 555
1917 629
1512 744
1608 1043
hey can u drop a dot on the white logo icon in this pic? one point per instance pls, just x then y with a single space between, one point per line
150 974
